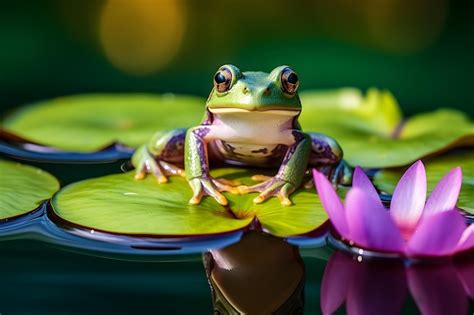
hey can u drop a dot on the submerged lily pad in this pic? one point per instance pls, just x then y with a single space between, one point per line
23 188
372 132
436 168
120 204
87 123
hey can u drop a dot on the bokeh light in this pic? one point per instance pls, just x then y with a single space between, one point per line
141 36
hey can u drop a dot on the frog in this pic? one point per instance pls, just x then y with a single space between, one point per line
250 120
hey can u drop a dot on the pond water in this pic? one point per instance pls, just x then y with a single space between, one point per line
43 279
48 270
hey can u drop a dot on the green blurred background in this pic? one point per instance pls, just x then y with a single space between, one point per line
421 50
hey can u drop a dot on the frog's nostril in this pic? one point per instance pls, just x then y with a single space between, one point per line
245 90
267 91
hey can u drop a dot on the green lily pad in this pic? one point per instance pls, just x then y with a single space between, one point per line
436 168
120 204
372 132
88 123
23 188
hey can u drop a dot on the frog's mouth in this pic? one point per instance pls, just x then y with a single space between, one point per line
279 112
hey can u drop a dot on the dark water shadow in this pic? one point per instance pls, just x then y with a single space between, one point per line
261 274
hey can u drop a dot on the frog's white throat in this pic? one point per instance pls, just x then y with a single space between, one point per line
279 112
239 125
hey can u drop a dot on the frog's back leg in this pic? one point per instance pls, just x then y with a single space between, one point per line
162 156
326 155
325 151
168 145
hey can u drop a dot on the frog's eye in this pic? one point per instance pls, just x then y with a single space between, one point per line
223 80
289 81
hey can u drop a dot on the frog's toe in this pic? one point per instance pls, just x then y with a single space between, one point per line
140 174
198 193
260 187
284 200
213 188
162 179
195 200
276 188
171 170
243 189
261 178
205 186
223 186
230 182
156 170
285 193
221 199
259 199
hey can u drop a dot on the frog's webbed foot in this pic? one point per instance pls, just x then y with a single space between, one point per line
270 187
340 173
160 169
208 186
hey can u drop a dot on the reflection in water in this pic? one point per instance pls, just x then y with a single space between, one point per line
261 274
381 286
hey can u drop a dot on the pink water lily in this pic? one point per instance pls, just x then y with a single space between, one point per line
412 227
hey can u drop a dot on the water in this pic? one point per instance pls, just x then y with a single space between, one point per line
47 267
46 270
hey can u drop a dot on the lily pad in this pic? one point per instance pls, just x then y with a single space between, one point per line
436 168
23 188
88 123
372 132
120 204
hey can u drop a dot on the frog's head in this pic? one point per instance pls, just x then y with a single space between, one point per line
236 91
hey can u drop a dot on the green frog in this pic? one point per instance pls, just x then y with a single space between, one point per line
251 119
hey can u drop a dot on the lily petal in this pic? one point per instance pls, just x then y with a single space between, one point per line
337 278
331 202
370 225
445 195
360 180
467 239
409 198
437 234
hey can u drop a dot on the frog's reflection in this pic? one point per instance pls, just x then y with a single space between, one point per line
381 287
261 274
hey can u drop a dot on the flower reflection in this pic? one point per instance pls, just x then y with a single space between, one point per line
381 287
261 274
412 227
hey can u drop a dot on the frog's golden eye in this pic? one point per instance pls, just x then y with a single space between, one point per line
289 81
223 80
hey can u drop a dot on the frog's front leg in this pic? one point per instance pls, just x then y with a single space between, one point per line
197 168
156 157
326 155
290 173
